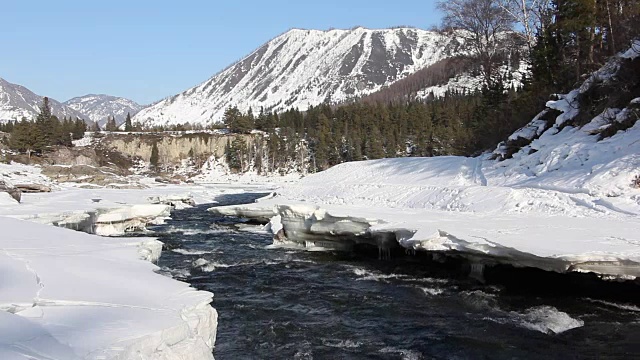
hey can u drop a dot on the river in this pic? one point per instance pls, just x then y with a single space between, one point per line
279 303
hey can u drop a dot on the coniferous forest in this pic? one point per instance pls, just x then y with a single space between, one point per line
44 132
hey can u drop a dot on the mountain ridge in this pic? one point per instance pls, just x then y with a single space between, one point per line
98 107
17 101
302 68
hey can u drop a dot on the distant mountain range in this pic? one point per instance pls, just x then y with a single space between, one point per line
17 101
99 107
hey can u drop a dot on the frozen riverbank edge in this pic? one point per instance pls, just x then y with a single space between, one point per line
557 244
71 295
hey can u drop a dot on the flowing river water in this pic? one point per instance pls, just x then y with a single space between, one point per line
279 303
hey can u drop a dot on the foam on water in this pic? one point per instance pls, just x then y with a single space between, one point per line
479 300
176 273
432 291
209 266
341 344
545 319
366 275
255 229
626 307
404 353
192 232
372 275
192 252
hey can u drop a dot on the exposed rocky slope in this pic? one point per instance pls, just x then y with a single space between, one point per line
17 101
307 67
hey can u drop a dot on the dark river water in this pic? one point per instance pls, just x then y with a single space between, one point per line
276 303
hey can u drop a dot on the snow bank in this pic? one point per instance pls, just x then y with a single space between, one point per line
16 173
70 295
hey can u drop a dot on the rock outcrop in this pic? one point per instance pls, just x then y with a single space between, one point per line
11 190
33 188
172 148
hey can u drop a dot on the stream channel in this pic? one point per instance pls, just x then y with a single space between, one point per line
282 303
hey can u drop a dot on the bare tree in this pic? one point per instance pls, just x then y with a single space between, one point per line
483 25
530 14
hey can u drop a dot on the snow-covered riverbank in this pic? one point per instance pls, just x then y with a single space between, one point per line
72 295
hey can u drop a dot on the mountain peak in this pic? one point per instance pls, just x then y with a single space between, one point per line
301 68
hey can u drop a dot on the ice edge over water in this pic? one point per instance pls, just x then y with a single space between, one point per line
315 228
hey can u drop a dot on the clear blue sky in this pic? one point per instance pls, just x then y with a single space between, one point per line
147 50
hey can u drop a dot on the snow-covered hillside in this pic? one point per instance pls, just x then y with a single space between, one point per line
307 67
17 101
467 82
99 107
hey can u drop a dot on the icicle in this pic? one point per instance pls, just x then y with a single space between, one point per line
477 272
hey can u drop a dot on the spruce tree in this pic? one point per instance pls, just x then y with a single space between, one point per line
111 124
44 131
79 128
154 158
24 137
128 126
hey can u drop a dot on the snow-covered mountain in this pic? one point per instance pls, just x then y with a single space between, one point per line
17 101
307 67
99 107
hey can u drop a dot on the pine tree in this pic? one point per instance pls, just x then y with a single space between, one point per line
373 144
128 126
79 128
237 122
236 154
25 137
45 130
111 124
154 158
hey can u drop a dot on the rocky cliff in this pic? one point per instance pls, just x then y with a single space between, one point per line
172 148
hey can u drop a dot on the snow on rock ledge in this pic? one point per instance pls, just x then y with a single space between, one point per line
119 221
70 295
178 202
